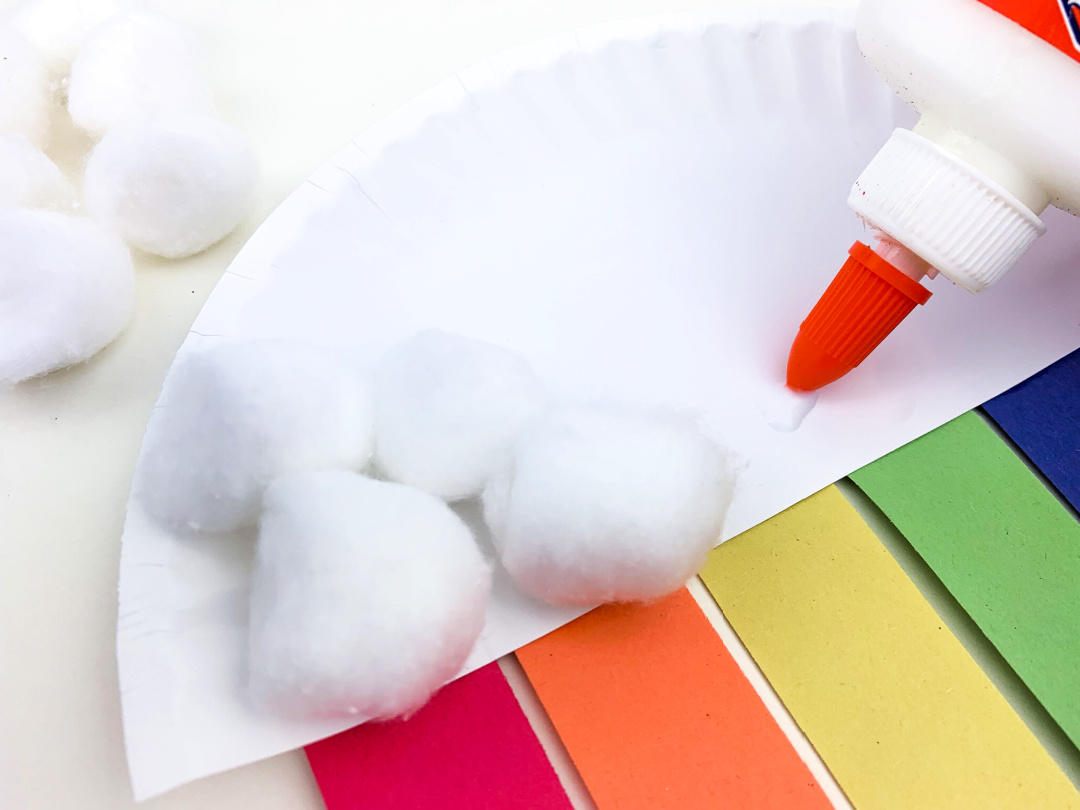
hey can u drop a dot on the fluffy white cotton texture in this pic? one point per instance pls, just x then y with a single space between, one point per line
136 64
171 186
25 89
58 27
603 503
29 179
67 289
448 409
238 415
367 596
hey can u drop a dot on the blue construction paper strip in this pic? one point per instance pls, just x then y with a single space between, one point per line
1042 415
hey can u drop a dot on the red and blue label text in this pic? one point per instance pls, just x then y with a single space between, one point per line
1056 21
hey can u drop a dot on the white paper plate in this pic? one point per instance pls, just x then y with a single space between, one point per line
645 211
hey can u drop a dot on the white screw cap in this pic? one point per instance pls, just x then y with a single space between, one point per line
946 211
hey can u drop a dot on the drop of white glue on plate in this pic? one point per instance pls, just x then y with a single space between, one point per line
786 410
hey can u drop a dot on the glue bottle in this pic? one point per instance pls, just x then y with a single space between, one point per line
997 86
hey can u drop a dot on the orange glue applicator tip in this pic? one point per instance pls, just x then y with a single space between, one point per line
873 292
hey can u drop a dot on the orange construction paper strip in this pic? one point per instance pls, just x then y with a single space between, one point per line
655 713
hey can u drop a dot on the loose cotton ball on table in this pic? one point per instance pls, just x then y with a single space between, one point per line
29 179
367 596
603 503
25 89
136 64
66 290
240 414
58 27
171 186
447 411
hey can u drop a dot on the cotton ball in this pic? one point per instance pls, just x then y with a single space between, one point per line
136 64
447 410
239 415
29 179
171 186
66 290
58 27
367 597
25 91
603 503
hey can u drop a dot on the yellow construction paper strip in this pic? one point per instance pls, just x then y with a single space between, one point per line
896 707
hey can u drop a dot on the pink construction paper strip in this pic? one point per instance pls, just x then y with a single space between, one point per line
470 747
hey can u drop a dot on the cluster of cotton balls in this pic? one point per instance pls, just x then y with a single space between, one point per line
369 591
165 176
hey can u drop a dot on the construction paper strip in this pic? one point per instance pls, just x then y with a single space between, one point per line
891 700
1042 415
657 714
470 747
1000 542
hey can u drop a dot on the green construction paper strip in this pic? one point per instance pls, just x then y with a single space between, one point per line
1002 544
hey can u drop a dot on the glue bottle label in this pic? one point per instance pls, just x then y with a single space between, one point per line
1056 21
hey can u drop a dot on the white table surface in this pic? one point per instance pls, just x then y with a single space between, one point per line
300 79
